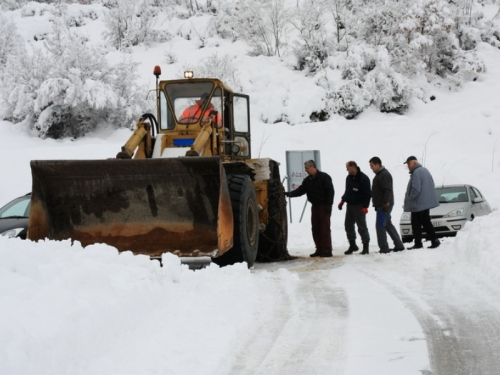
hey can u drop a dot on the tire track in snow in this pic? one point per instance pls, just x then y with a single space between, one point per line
307 334
462 334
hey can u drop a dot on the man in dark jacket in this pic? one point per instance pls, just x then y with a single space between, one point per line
357 196
383 201
319 189
419 199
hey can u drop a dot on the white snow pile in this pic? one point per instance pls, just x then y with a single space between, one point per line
69 310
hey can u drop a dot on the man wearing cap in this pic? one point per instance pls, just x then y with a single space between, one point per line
319 189
420 197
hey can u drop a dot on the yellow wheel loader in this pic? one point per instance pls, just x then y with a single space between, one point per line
185 182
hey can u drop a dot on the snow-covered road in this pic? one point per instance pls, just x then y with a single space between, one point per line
461 322
356 315
307 332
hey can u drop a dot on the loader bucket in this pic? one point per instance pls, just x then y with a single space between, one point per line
148 206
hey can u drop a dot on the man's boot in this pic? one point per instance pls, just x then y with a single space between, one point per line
396 249
352 248
434 244
315 254
365 248
418 245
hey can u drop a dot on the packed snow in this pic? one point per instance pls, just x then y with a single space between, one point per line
73 310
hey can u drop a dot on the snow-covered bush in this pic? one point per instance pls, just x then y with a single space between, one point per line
23 74
263 24
69 88
312 47
349 100
360 60
390 91
131 23
10 41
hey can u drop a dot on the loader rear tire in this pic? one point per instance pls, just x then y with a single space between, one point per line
246 222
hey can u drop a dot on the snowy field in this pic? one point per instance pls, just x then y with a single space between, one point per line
68 310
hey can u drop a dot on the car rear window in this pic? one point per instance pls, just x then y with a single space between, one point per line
452 194
18 207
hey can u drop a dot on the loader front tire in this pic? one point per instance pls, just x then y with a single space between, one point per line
246 222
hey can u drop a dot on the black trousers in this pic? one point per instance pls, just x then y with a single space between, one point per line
422 219
320 222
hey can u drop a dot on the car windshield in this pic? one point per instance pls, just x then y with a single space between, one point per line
17 208
452 194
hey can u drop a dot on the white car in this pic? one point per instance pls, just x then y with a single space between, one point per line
457 205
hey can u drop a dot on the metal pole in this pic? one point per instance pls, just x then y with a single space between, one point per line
303 210
289 200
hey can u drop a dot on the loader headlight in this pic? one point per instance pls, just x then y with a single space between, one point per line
235 149
12 232
188 74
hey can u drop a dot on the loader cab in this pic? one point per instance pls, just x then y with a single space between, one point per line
241 125
183 104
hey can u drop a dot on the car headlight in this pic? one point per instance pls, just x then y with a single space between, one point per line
12 232
406 216
454 213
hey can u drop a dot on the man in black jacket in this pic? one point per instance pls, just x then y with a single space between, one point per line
319 189
357 196
383 201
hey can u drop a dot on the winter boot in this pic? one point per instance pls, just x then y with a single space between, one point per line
365 248
434 244
418 245
315 254
352 248
397 248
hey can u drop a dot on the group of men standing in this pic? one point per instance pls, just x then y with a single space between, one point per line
419 199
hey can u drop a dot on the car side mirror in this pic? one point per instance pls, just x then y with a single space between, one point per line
478 200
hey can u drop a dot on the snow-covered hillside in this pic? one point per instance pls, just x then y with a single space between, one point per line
68 310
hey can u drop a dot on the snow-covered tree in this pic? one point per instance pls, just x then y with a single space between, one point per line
68 88
130 23
23 74
10 41
313 46
264 25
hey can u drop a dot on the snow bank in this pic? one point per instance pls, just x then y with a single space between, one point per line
66 309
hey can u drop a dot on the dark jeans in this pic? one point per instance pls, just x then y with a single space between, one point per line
383 226
320 220
353 216
422 219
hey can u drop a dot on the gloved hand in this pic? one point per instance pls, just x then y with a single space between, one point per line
364 210
329 210
287 193
385 207
340 205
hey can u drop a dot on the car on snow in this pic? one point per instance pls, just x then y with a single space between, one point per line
14 217
458 204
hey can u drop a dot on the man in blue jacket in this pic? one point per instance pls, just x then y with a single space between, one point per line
420 197
357 196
